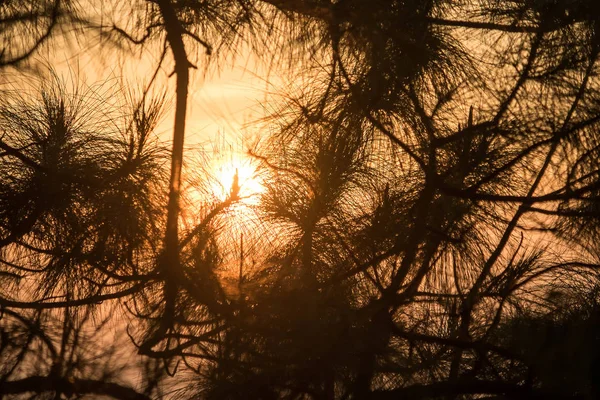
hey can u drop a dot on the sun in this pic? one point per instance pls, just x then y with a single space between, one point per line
248 179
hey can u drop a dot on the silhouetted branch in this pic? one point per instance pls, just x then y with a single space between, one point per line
43 384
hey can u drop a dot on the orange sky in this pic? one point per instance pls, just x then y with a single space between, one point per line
225 97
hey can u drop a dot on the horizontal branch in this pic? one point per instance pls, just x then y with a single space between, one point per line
41 384
490 26
41 305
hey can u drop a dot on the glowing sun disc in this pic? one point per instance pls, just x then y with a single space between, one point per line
248 180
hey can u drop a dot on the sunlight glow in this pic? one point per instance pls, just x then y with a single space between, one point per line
248 180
